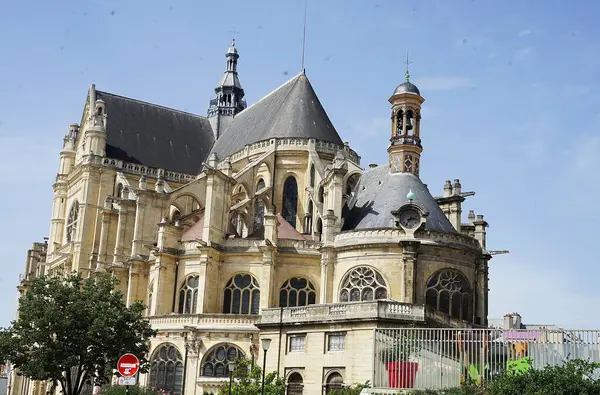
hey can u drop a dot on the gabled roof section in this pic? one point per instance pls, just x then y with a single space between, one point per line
292 110
155 136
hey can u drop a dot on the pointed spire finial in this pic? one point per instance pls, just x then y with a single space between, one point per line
407 74
304 36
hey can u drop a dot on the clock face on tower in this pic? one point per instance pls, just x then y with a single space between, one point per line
410 219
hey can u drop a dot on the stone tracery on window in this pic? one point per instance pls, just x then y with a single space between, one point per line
290 200
72 221
449 292
166 369
188 295
241 295
216 360
361 284
297 291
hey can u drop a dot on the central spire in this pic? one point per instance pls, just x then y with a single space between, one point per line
229 94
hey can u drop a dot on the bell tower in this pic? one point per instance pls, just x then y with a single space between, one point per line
405 144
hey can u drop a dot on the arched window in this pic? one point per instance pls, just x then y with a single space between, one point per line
242 295
188 295
312 176
449 292
321 196
308 222
72 221
297 291
334 381
260 185
166 369
150 295
119 192
216 360
399 122
259 213
363 283
290 200
175 215
295 384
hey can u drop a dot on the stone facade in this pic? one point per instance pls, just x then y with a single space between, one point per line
252 247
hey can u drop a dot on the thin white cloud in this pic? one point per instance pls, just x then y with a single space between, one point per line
492 55
448 83
525 32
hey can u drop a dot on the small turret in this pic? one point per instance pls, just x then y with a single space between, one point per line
405 143
95 132
229 95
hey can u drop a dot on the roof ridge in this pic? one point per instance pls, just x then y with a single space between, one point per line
151 104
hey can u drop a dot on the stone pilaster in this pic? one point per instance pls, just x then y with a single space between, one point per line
126 209
331 227
480 231
328 257
138 281
409 271
137 246
267 274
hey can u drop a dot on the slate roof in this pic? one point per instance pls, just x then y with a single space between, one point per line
292 110
155 136
379 192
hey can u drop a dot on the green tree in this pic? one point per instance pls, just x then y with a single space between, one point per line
575 377
351 390
72 331
247 379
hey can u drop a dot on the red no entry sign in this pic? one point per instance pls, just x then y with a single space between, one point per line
128 365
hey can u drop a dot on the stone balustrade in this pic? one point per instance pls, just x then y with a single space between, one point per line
229 322
376 309
284 144
394 236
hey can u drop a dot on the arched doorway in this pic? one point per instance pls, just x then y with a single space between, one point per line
295 384
334 381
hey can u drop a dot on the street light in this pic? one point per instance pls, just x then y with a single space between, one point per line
231 367
266 342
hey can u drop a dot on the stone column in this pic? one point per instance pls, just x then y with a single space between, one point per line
480 233
104 231
192 351
409 272
138 281
327 264
138 229
267 274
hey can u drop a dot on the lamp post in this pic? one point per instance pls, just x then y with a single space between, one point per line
231 367
265 342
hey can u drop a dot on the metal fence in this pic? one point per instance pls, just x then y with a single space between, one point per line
444 358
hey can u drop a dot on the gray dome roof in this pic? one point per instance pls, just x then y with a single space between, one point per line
379 192
407 87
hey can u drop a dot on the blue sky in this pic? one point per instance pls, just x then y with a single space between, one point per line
512 109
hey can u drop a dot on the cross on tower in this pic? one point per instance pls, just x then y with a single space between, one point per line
233 32
407 62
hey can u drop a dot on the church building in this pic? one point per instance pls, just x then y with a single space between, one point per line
256 223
